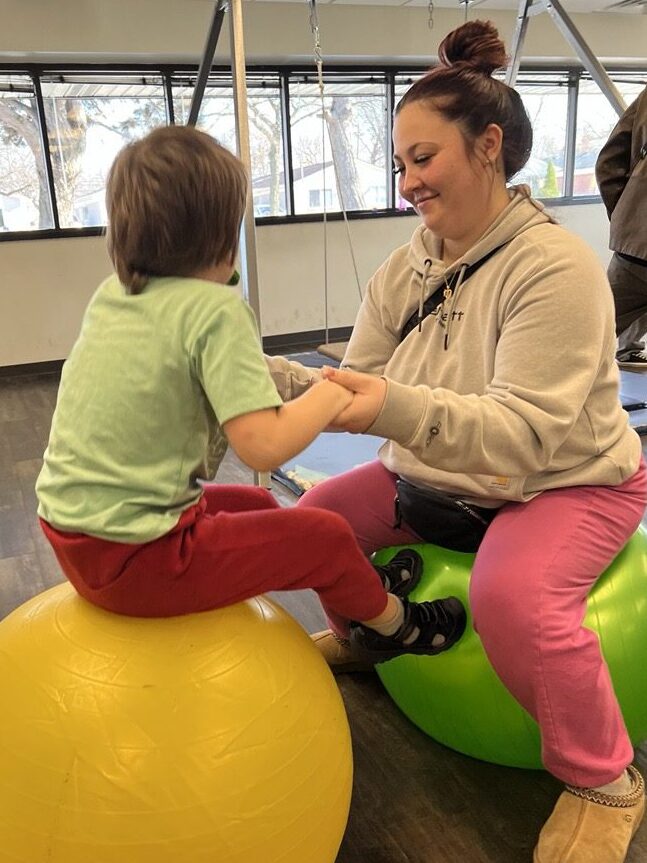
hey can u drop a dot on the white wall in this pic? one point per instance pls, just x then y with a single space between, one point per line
46 284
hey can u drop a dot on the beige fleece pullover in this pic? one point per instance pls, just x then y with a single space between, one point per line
511 387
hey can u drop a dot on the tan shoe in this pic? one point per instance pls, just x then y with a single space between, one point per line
587 826
338 653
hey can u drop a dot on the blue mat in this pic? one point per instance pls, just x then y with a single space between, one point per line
633 391
330 454
312 359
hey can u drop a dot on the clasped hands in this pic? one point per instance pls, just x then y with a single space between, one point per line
368 397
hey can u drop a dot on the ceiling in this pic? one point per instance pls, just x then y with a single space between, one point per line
570 6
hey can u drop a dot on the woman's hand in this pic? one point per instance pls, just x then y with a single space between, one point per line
369 393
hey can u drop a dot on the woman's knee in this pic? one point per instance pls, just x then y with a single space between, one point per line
331 495
500 607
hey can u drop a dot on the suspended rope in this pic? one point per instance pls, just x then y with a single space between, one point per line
318 58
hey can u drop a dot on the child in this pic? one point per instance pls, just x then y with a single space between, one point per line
167 371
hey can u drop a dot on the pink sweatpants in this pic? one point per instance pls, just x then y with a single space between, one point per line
531 577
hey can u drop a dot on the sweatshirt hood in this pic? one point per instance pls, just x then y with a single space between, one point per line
522 213
425 249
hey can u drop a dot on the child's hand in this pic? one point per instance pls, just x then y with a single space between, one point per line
369 394
343 396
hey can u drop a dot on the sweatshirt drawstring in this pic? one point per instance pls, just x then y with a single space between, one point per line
421 299
453 295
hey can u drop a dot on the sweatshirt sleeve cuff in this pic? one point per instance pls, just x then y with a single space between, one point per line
401 413
291 378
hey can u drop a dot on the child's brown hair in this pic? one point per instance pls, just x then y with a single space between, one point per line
175 202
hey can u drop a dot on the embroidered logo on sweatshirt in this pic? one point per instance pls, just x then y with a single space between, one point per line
443 315
502 482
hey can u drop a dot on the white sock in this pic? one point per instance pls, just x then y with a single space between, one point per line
390 624
621 785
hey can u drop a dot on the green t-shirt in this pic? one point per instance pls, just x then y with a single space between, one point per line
143 395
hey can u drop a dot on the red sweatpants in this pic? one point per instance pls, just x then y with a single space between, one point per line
237 542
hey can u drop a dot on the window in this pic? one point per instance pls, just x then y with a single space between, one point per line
402 84
545 98
61 128
25 203
89 119
341 146
217 117
317 196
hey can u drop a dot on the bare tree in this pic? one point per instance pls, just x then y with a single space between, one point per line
338 119
17 174
268 125
370 130
308 150
19 124
67 126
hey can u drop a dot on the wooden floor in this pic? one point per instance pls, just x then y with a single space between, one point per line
413 801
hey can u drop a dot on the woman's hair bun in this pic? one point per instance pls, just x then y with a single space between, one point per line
476 44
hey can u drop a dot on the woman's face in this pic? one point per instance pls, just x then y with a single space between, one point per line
449 184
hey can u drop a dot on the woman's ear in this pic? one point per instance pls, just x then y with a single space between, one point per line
491 143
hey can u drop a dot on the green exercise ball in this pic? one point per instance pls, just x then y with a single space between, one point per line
458 699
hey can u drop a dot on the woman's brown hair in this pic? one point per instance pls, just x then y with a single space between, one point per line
462 89
175 202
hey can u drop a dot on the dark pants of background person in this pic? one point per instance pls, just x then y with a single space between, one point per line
629 285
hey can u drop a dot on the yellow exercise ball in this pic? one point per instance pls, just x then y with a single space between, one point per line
217 737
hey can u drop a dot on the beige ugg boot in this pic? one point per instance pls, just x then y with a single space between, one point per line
338 653
587 826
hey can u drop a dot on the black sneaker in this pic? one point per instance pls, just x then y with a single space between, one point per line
441 624
636 360
402 573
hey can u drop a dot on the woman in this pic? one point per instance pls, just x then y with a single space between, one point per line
495 399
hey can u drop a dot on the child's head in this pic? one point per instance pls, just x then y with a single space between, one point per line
175 202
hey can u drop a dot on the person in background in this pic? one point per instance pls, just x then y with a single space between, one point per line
621 172
500 419
168 370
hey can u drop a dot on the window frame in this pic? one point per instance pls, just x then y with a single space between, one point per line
386 74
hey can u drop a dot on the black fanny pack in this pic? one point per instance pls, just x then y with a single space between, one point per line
440 518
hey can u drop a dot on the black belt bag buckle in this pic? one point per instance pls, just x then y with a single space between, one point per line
440 518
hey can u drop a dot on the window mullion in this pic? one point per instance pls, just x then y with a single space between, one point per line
390 108
167 76
47 156
571 133
288 173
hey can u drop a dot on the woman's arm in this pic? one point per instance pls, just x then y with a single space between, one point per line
265 439
291 379
613 165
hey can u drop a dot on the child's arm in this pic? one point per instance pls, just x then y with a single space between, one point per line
265 439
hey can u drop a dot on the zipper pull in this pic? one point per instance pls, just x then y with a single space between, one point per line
398 514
